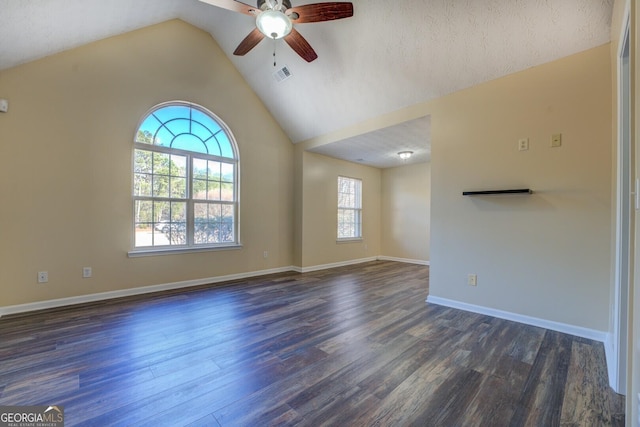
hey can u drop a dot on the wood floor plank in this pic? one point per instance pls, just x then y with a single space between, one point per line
584 403
350 408
413 396
451 400
493 405
543 393
353 345
206 421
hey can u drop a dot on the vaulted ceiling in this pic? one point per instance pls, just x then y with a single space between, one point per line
389 55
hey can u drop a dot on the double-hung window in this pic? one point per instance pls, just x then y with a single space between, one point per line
349 208
185 180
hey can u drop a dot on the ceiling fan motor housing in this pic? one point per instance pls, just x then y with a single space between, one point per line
263 5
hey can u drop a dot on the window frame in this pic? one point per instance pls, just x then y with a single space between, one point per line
357 209
190 201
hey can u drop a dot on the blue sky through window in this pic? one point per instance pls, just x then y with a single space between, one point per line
186 128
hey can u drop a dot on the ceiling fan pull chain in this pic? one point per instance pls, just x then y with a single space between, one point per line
274 53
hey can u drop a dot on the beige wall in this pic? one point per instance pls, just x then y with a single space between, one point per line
319 210
66 150
406 216
299 202
396 204
544 255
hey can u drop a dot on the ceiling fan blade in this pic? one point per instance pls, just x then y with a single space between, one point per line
318 12
234 6
249 42
301 46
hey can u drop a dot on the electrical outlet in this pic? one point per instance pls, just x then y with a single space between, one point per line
472 279
86 272
43 276
265 254
523 144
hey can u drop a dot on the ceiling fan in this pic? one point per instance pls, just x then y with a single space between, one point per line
275 19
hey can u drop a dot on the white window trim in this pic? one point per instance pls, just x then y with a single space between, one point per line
358 210
167 250
350 240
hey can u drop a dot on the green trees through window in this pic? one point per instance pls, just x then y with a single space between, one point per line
349 208
185 186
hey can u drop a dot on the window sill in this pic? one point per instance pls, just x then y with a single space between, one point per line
173 251
350 240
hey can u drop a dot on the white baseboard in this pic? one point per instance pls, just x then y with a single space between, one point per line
358 261
578 331
101 296
61 302
336 264
406 260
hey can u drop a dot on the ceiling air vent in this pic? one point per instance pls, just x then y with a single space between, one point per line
282 74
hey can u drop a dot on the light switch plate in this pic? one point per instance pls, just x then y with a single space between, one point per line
4 105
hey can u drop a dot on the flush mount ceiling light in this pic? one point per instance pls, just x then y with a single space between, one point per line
274 24
404 155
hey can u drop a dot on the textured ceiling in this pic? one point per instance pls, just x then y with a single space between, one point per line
380 148
388 56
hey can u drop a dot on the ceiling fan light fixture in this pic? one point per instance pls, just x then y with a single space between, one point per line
404 155
274 24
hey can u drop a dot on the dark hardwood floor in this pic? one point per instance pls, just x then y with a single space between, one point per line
351 346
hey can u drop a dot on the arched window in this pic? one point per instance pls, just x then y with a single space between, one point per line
185 180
